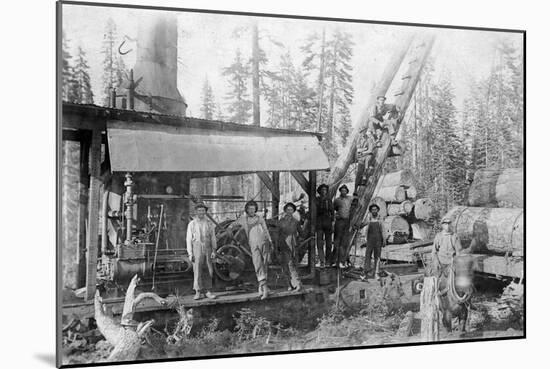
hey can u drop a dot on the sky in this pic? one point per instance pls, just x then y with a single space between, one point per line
207 44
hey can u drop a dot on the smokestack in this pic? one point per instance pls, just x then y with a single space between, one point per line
157 66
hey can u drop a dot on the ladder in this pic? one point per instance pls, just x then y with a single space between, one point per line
417 56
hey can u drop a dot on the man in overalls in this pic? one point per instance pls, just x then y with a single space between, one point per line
289 228
201 248
375 237
446 246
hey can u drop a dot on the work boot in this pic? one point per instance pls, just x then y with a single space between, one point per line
198 295
210 295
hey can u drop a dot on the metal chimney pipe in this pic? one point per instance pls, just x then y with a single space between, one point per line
156 68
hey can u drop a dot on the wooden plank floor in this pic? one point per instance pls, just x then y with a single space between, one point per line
85 309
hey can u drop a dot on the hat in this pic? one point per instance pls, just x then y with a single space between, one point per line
289 204
251 203
374 206
445 220
321 186
201 205
343 187
380 97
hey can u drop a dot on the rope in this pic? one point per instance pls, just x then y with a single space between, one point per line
451 288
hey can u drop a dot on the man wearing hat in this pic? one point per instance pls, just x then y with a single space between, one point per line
446 246
382 117
289 228
201 248
325 217
364 154
342 207
375 237
259 241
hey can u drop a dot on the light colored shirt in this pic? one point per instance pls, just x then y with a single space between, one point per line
446 245
342 205
255 228
200 231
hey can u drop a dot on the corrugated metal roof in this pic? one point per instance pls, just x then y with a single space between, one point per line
144 147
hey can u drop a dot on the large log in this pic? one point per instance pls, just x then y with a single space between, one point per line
348 153
392 194
396 228
421 230
494 230
424 209
403 177
404 208
411 192
497 188
381 204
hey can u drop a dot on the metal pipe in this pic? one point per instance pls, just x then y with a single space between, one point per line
104 212
129 203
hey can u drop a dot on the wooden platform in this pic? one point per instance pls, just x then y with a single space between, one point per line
486 264
85 309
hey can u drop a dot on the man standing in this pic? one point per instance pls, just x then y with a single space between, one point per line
325 217
201 248
342 206
375 237
446 246
289 228
259 241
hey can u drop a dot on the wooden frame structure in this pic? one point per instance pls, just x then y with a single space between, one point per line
87 124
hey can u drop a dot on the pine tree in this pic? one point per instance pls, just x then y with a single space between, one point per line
238 74
208 105
80 90
114 69
66 70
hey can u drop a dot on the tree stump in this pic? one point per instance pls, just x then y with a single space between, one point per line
429 310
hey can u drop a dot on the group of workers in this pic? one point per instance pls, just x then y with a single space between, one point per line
201 247
333 219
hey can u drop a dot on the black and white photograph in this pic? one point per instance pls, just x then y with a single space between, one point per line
236 184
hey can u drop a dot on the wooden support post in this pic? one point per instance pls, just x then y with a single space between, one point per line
429 310
313 215
302 180
275 196
92 234
83 209
186 209
268 182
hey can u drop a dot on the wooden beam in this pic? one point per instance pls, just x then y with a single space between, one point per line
302 181
268 182
84 186
312 187
92 234
275 196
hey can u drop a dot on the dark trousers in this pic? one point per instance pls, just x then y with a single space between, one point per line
375 250
324 238
340 228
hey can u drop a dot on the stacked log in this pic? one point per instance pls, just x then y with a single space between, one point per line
396 228
405 208
422 230
424 209
493 230
497 188
392 194
381 204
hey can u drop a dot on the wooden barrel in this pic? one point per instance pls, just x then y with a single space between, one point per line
496 230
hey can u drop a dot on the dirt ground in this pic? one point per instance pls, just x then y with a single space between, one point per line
374 324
